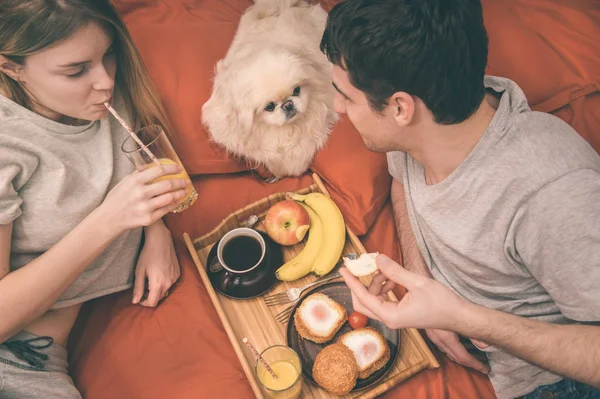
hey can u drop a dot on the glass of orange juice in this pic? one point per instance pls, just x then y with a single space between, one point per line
286 364
156 140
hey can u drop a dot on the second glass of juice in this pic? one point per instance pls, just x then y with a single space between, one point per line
156 140
286 364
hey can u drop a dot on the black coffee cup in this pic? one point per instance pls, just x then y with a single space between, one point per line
240 252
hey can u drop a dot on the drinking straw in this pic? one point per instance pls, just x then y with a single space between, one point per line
258 357
131 133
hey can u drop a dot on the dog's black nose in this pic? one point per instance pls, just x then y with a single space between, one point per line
288 106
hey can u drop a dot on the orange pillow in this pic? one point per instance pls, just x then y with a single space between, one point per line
550 49
553 61
180 43
357 179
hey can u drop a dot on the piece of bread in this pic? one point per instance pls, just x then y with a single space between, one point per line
362 266
335 369
370 349
319 318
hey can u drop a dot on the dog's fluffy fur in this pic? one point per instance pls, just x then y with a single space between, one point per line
255 110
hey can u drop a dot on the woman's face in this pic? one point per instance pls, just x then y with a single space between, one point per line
74 77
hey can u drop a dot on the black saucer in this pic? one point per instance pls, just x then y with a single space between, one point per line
251 284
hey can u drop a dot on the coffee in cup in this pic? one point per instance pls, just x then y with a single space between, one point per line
241 250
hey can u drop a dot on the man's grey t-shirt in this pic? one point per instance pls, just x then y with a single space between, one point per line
51 177
516 227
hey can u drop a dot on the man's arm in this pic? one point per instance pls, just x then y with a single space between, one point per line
569 350
412 259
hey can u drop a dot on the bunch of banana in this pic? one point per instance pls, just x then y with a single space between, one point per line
326 239
301 265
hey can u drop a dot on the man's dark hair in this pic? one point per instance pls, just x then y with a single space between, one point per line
433 49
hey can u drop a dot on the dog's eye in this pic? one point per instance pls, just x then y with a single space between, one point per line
296 92
270 107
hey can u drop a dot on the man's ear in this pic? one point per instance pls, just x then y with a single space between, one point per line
10 68
404 107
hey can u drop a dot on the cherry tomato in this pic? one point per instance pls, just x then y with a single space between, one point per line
358 320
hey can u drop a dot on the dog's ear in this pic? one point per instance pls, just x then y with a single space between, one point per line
243 115
226 115
316 62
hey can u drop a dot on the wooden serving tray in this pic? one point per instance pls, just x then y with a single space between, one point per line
251 318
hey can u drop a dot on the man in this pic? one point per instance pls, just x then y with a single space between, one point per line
504 202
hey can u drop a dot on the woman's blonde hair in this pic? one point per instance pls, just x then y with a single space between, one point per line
28 26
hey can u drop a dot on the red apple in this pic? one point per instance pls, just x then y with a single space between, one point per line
287 222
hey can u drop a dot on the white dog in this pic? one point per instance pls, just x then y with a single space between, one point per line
272 99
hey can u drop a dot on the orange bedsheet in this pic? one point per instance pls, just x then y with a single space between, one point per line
180 349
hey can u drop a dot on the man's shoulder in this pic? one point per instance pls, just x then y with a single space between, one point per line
533 148
526 125
540 136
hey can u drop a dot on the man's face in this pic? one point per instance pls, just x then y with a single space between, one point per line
379 130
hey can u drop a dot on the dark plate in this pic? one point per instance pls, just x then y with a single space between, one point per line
251 284
308 350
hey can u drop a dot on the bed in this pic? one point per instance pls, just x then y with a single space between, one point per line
180 349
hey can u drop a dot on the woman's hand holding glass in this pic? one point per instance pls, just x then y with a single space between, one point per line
139 200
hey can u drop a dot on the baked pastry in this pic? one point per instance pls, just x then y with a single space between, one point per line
335 369
319 318
370 349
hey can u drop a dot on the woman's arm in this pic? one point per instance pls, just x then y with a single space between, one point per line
5 238
30 291
138 200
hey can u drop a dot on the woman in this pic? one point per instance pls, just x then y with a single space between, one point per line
72 209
